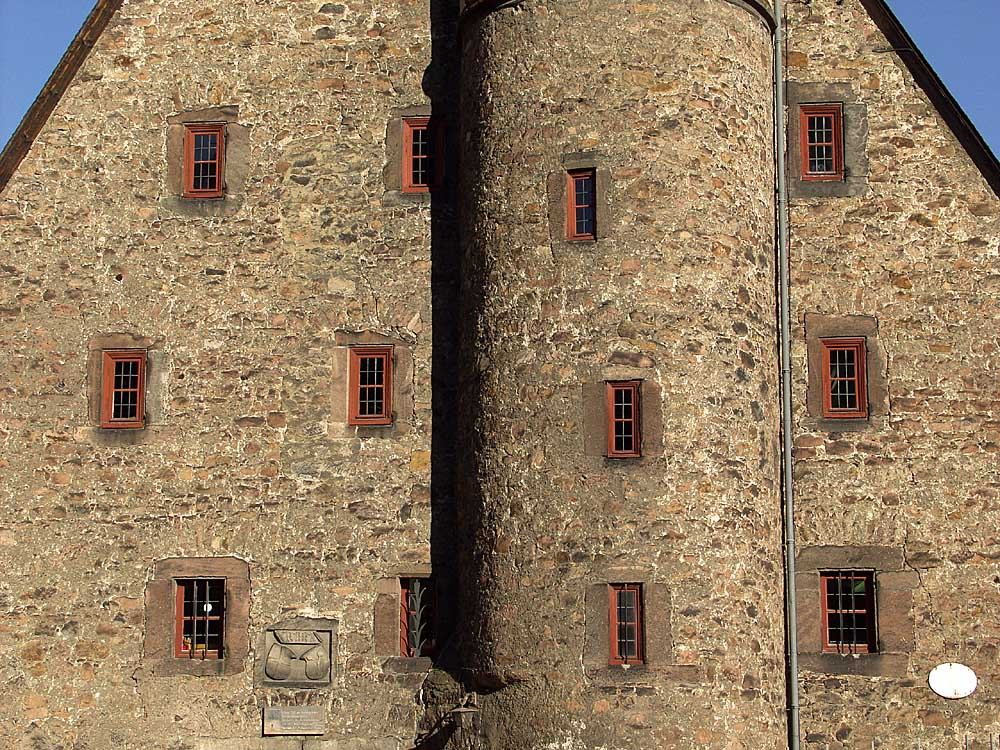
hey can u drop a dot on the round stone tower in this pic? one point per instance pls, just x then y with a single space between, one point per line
667 106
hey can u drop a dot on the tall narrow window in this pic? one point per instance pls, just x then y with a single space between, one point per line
822 141
845 393
581 208
423 155
123 392
848 611
623 419
371 386
416 617
625 620
204 159
199 617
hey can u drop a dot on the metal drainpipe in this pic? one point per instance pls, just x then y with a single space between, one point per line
791 638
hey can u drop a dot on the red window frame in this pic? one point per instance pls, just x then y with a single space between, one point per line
355 386
630 423
574 203
435 136
182 648
616 624
190 131
844 607
835 141
406 610
831 382
110 389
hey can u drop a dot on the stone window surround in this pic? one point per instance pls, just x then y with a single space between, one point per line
386 623
392 172
658 650
894 585
435 133
110 358
236 163
402 386
622 366
818 327
156 367
557 189
158 644
855 140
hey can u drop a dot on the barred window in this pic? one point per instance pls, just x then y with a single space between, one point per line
623 419
848 611
845 387
625 623
822 141
199 615
371 386
581 209
416 617
204 158
123 389
423 155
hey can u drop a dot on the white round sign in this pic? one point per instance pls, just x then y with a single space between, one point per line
952 681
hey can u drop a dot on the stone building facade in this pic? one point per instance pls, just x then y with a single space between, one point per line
452 569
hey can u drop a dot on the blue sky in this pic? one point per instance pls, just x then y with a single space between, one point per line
957 36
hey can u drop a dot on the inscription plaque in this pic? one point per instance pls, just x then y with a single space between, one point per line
283 721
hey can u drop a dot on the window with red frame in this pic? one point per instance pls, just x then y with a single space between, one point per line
199 617
624 440
370 386
204 160
581 209
848 611
845 388
416 617
423 155
625 618
822 141
123 400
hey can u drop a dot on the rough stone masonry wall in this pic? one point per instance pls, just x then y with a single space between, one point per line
671 103
917 251
245 312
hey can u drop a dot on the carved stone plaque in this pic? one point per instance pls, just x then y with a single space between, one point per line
298 653
283 721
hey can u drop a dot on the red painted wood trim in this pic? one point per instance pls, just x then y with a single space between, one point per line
354 416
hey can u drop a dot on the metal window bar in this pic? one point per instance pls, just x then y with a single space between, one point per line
203 604
842 623
627 641
418 626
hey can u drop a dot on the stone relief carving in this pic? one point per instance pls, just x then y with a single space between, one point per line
297 653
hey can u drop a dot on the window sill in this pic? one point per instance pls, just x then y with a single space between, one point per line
841 424
864 665
399 198
644 674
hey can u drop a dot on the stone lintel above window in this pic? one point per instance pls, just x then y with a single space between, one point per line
820 328
852 168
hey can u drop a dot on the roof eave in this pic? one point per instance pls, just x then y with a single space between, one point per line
52 92
932 85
